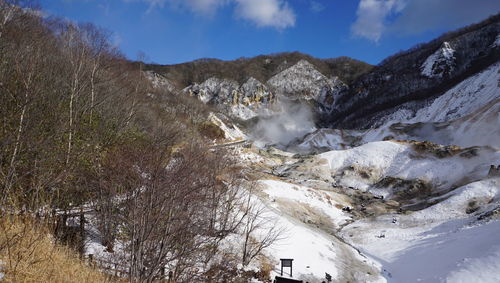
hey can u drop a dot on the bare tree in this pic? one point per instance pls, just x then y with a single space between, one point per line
77 52
100 52
259 230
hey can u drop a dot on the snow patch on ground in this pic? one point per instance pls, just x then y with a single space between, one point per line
314 251
465 98
330 139
231 133
497 41
437 244
400 160
480 269
323 201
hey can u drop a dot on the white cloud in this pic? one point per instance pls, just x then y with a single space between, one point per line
378 17
266 13
151 3
423 15
371 17
263 13
203 7
316 7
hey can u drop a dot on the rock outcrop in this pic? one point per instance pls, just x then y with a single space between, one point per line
300 82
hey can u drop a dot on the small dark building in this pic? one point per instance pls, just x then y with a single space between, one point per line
279 279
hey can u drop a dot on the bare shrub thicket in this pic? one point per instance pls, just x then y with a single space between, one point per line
55 117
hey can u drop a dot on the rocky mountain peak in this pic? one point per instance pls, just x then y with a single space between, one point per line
301 79
440 62
159 81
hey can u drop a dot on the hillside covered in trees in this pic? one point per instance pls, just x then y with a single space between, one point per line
86 139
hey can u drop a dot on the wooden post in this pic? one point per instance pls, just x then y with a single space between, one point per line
91 259
82 232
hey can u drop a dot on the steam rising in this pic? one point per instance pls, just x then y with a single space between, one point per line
288 121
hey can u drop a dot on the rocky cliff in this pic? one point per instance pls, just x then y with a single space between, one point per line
243 99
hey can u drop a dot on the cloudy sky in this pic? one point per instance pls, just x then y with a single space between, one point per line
174 31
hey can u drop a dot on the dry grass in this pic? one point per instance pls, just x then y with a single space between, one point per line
28 254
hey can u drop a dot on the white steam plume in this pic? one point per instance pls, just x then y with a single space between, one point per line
288 121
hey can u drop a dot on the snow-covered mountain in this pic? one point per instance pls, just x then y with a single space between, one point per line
466 115
303 81
414 78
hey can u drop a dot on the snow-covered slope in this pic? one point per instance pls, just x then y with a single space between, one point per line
385 168
447 198
461 100
442 243
440 62
466 115
307 214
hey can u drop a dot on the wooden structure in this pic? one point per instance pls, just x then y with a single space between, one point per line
286 262
279 279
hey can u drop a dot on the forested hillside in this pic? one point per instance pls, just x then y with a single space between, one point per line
86 139
261 67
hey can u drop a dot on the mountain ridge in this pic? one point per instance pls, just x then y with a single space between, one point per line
261 67
351 94
402 78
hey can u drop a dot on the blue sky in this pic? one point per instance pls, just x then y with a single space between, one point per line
175 31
